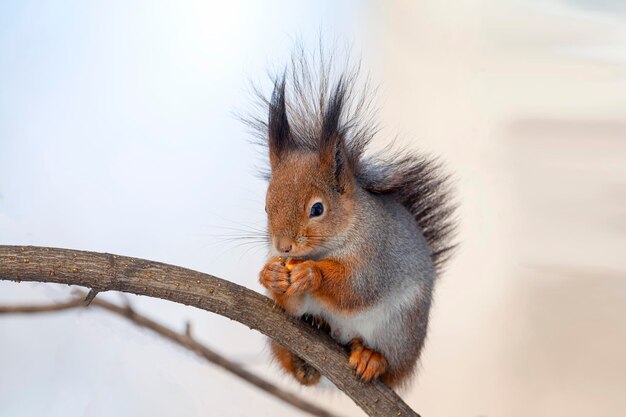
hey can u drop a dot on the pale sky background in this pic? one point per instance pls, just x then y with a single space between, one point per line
118 133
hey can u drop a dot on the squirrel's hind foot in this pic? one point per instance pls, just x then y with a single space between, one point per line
367 363
296 366
305 373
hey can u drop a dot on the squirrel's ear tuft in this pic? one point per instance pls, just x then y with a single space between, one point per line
331 133
278 125
332 144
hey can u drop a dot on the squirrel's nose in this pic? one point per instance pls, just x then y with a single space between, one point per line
284 244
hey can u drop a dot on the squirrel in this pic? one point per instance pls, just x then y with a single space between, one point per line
356 242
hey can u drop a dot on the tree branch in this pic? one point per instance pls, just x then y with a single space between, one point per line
104 272
183 339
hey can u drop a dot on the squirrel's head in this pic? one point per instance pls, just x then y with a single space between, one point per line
310 198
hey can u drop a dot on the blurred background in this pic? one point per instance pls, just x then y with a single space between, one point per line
118 133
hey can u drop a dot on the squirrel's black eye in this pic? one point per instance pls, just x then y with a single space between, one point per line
316 210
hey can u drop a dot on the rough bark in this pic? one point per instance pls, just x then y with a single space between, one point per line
105 272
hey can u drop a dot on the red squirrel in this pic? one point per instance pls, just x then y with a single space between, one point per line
356 241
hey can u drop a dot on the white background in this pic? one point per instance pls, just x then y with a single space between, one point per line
118 133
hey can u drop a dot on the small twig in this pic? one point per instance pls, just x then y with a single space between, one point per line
90 296
183 339
43 308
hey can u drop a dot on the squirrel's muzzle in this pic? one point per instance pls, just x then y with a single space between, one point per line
284 244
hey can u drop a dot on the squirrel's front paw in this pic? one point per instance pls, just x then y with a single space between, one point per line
367 363
275 276
290 277
305 276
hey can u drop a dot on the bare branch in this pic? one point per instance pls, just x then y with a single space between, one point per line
185 340
43 308
106 272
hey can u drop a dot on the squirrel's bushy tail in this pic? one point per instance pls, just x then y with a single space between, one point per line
315 94
419 183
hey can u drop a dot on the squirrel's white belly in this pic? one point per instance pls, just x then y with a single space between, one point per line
374 325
